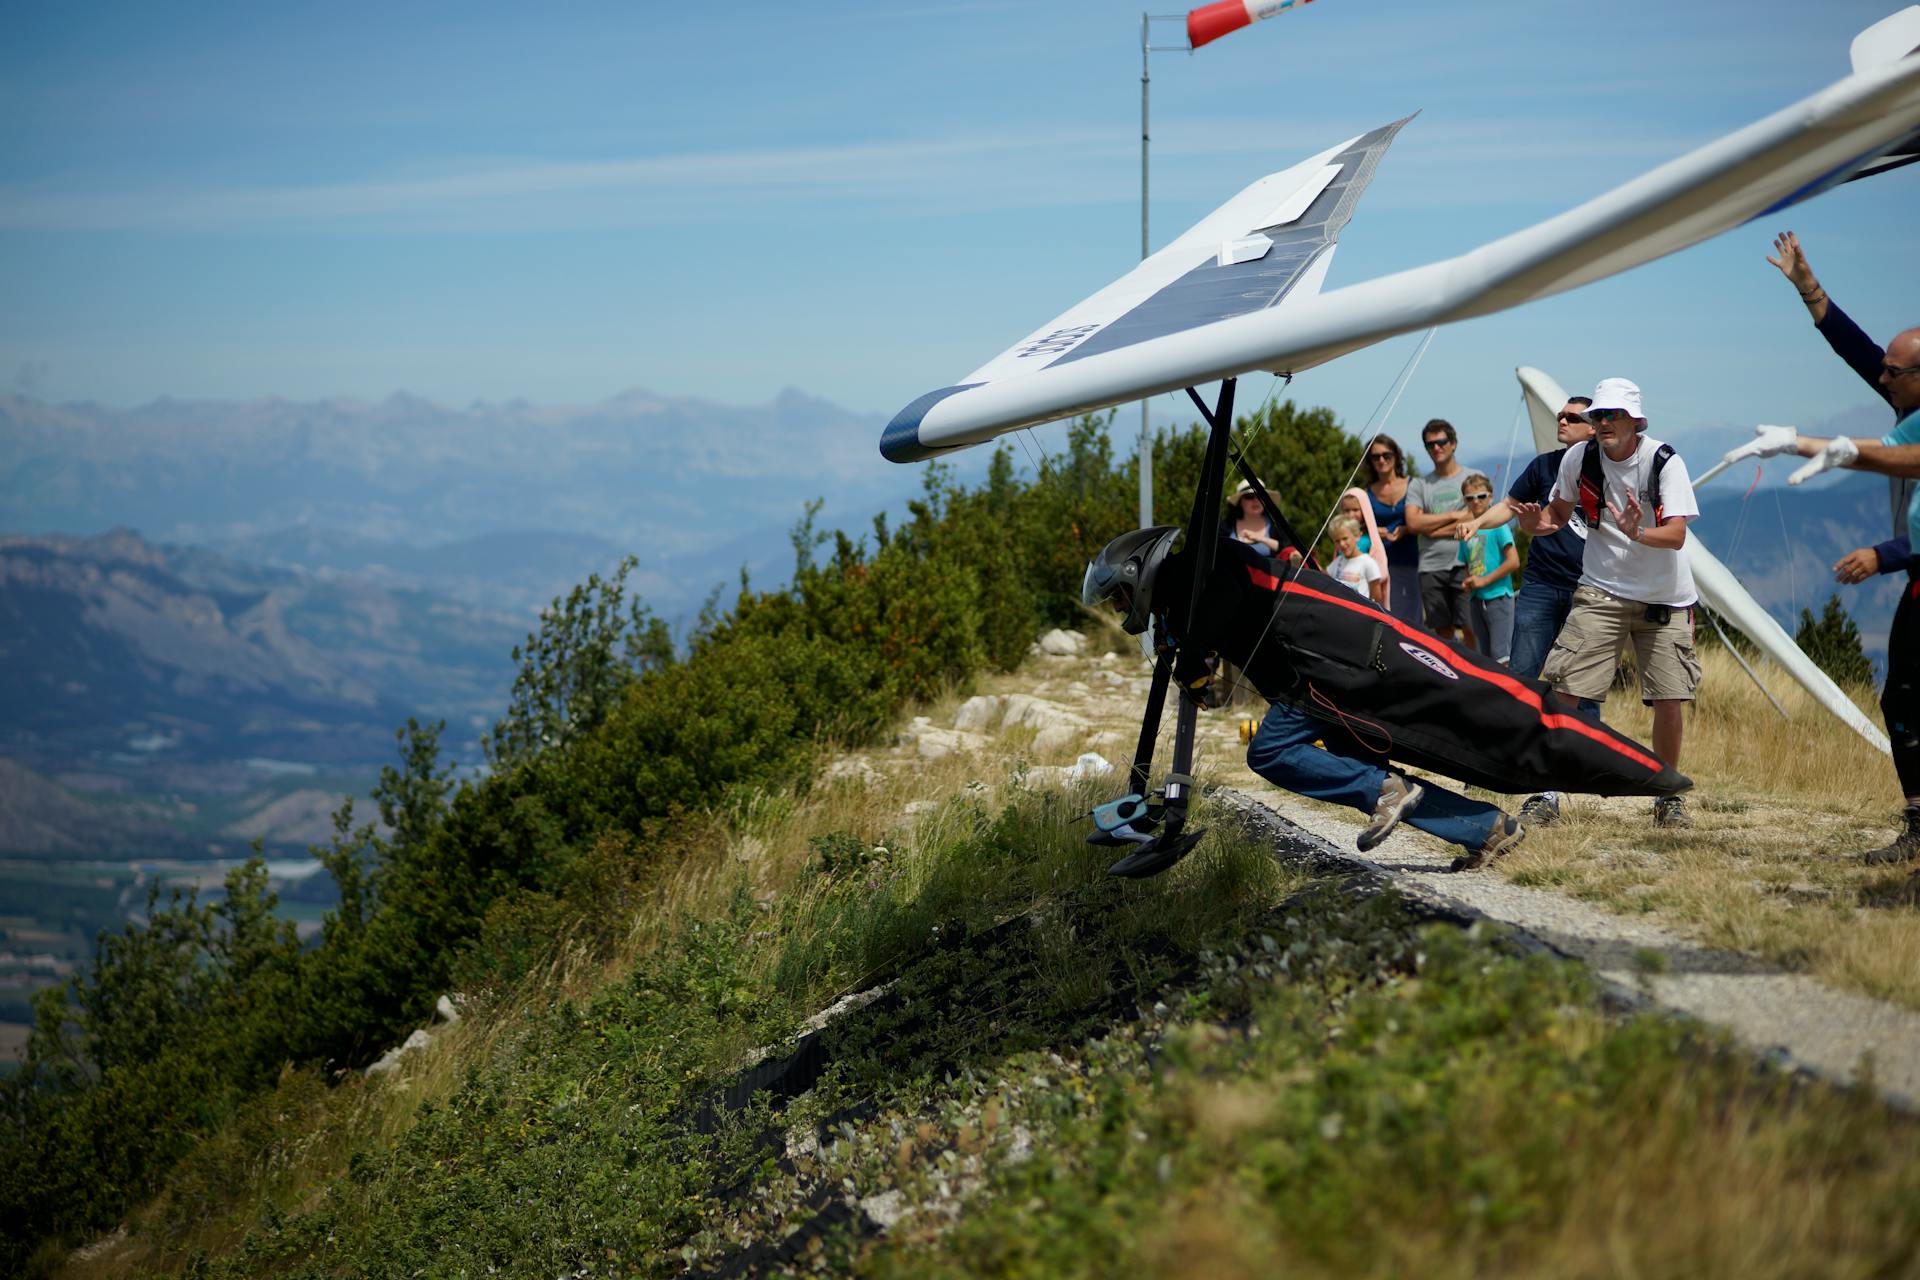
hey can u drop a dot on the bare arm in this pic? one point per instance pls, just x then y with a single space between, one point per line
1439 524
1541 520
1793 265
1492 518
1670 536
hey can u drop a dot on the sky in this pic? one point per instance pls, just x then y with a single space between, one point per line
865 200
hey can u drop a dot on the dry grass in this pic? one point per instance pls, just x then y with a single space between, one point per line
1780 807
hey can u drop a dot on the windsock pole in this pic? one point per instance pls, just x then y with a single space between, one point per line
1205 24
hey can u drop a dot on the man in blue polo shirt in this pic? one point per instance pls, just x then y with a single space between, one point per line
1897 455
1554 565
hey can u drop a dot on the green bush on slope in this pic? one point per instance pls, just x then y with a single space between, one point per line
608 737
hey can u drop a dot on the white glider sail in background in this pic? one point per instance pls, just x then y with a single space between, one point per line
1719 590
1240 291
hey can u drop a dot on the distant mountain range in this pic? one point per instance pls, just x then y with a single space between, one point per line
114 645
500 506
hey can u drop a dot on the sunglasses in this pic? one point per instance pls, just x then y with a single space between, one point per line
1607 415
1572 417
1476 497
1436 444
1897 371
1381 457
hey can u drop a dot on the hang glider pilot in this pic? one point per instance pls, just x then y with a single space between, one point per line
1896 454
1634 495
1142 577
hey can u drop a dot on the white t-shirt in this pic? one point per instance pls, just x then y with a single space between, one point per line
1356 572
1632 570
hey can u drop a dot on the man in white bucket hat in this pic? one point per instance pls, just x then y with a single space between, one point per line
1635 496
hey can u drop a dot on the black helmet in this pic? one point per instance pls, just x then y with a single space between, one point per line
1125 569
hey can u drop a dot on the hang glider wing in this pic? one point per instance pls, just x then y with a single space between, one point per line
1184 316
1545 399
1719 590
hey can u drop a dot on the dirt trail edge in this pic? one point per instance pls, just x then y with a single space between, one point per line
1790 1018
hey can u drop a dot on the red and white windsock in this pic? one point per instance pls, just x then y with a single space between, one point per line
1211 21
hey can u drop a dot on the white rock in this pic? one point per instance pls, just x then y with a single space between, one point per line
1058 737
1063 644
980 713
920 806
1027 712
887 1208
852 768
447 1009
390 1060
1078 687
1092 765
936 744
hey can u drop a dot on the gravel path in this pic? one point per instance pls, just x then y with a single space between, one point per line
1785 1016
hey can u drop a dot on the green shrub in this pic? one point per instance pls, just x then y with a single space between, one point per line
1833 642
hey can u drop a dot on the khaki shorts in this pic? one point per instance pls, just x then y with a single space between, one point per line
1587 652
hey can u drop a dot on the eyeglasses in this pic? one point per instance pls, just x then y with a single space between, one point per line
1476 497
1436 444
1898 371
1607 415
1382 456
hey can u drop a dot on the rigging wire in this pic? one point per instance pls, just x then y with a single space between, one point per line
1513 436
1793 580
1366 443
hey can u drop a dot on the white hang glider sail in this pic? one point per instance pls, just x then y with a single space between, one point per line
1240 291
1719 589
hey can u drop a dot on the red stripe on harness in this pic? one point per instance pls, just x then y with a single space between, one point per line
1262 579
1506 684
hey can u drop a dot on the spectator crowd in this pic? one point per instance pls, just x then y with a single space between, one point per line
1607 512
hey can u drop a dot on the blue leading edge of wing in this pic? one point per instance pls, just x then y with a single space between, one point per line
900 442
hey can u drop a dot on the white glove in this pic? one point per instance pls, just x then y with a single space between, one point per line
1839 452
1766 443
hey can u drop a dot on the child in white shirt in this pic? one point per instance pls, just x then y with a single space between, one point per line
1353 568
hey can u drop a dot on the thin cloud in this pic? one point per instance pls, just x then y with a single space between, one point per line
767 175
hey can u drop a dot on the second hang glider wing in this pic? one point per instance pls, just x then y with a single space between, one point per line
1194 311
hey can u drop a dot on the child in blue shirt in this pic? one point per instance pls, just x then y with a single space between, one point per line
1491 559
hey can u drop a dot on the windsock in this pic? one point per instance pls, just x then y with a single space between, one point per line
1211 21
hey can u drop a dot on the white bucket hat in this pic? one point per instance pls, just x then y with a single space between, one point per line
1617 393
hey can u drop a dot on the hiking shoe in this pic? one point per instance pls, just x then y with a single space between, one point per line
1905 846
1542 810
1398 798
1671 811
1502 840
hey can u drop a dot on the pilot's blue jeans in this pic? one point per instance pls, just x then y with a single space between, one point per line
1283 753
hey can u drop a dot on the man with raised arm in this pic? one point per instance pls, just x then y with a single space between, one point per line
1634 495
1864 356
1897 455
